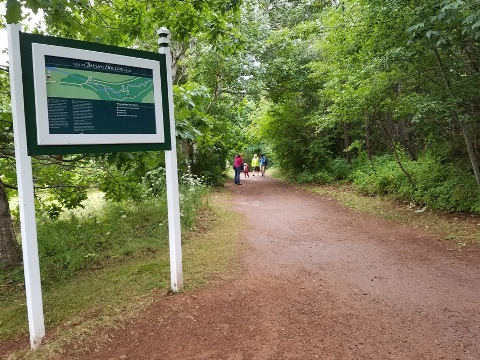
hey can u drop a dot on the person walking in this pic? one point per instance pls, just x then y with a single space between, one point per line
237 166
263 164
255 165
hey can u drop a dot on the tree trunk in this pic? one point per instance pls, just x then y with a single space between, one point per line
368 144
346 140
471 153
10 252
395 153
406 139
468 141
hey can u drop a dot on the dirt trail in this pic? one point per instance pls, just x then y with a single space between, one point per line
320 282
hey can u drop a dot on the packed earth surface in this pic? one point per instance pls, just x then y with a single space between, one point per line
317 281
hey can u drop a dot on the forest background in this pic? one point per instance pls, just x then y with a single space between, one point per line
383 95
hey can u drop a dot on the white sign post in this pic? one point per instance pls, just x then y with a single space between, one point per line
130 140
31 265
176 273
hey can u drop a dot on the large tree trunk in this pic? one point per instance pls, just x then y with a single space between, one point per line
10 252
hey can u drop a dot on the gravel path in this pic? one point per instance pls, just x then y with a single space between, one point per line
320 282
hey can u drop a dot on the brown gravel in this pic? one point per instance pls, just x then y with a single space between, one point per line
320 282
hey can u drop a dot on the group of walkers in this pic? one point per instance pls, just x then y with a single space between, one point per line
258 166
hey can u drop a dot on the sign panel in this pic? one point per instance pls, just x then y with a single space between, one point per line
93 98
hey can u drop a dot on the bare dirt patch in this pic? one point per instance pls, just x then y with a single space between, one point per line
319 281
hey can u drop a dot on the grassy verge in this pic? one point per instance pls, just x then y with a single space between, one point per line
105 297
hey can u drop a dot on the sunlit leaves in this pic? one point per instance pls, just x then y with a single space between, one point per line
14 11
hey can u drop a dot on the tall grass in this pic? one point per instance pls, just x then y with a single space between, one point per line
101 251
117 232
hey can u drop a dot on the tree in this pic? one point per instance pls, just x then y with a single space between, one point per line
10 253
448 30
64 180
291 98
363 82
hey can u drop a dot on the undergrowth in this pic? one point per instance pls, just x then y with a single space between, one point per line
427 181
114 237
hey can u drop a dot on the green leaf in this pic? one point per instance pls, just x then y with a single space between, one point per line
14 12
469 19
452 5
33 5
416 27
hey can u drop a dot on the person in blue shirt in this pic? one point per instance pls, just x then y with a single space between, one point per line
263 164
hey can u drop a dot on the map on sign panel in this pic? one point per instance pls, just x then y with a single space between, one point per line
85 84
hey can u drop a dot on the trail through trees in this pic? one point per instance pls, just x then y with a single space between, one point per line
318 282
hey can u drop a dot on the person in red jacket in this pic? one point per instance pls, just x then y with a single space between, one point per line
237 166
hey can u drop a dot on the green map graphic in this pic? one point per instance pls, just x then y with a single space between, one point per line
93 85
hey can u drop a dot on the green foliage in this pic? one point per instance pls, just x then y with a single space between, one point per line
286 130
309 82
352 76
117 232
207 139
155 182
440 186
209 164
318 177
59 187
120 175
339 169
207 29
192 197
113 232
14 11
445 186
380 177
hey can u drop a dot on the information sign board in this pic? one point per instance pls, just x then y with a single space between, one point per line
85 97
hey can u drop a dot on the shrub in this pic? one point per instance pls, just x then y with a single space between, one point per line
154 182
323 177
117 231
438 185
445 186
306 177
339 169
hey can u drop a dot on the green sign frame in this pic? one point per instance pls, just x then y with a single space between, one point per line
119 96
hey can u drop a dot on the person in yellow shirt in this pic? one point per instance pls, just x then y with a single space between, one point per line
255 165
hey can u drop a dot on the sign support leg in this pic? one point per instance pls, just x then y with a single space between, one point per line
28 222
173 198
